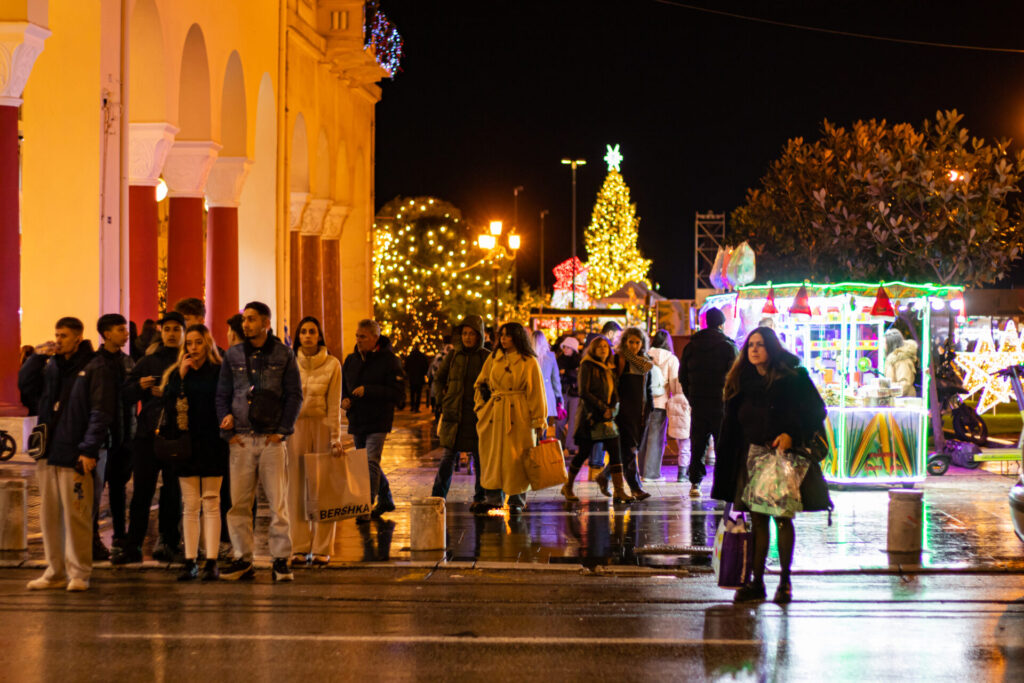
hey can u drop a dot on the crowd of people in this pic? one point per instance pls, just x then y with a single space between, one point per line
211 425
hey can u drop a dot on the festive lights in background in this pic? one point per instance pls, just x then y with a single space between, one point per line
561 296
428 272
382 36
979 365
610 239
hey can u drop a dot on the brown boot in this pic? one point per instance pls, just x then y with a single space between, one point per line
567 486
620 491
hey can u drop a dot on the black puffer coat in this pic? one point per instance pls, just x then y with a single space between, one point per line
455 380
381 375
794 408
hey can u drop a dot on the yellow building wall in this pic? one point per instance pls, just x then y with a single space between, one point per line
60 207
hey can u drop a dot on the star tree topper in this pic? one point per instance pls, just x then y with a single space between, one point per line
613 157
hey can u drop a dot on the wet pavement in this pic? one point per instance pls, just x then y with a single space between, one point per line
967 524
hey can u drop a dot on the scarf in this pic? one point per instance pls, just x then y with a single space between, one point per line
640 363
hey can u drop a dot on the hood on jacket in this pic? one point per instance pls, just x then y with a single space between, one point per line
477 324
78 359
906 351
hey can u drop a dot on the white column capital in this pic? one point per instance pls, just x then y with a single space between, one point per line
296 206
20 45
188 167
148 145
227 178
335 220
313 219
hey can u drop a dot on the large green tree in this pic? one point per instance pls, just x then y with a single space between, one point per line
879 201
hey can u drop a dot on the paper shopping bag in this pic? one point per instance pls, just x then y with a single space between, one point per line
545 465
733 557
337 487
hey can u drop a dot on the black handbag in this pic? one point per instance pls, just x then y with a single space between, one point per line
37 442
171 450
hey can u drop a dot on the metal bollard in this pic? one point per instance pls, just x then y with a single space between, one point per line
905 517
13 514
427 524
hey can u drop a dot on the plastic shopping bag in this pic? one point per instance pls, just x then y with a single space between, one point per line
774 484
719 278
741 269
733 557
337 487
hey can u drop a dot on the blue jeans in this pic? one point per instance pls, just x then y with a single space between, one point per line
374 445
443 480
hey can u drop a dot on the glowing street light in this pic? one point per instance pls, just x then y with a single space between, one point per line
487 241
513 242
496 228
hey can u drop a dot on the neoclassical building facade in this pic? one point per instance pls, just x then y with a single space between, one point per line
156 149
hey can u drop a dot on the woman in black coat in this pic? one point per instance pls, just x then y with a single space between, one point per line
770 401
189 391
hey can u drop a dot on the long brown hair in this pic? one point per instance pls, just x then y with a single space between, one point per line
212 355
606 365
780 362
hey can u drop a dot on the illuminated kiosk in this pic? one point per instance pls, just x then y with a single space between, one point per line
838 332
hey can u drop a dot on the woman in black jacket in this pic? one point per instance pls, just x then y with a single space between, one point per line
771 402
189 395
633 373
599 402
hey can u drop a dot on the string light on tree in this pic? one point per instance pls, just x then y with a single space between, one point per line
611 238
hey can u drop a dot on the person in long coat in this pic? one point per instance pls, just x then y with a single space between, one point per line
511 411
770 402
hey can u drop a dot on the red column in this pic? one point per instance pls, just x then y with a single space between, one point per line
332 296
185 266
10 264
221 269
312 279
143 267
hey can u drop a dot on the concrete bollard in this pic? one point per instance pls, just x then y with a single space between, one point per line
13 515
427 524
905 518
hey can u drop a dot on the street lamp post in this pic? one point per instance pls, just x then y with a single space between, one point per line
542 214
495 250
515 227
573 163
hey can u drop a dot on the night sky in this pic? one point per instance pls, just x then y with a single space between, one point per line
492 94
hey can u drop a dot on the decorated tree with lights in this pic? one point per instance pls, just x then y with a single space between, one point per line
428 272
612 253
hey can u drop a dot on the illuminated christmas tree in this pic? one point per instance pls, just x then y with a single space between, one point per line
428 272
612 253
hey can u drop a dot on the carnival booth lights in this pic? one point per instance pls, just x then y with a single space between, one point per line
876 435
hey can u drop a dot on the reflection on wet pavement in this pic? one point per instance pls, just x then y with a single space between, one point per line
966 521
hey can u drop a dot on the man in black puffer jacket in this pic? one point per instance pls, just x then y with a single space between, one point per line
373 383
77 405
706 361
142 387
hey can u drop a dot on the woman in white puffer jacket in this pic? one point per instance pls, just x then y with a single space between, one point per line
670 409
317 430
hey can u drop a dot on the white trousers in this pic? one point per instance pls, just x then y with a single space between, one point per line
201 493
311 436
253 458
65 515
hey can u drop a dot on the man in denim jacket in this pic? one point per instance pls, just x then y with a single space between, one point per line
259 395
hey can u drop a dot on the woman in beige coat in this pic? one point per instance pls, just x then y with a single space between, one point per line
317 430
511 411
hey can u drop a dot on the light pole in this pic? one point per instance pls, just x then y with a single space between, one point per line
542 214
489 242
573 163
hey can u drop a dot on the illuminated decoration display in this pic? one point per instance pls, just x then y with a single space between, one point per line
561 297
380 35
610 239
882 307
428 272
875 436
979 365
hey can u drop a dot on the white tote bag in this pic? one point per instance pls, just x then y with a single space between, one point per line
337 487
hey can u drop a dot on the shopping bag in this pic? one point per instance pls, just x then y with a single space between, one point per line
733 556
545 465
337 487
774 484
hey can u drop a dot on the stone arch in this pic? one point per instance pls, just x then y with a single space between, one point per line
147 85
298 162
257 212
233 124
322 167
194 111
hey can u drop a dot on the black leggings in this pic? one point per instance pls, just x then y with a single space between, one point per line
585 445
762 538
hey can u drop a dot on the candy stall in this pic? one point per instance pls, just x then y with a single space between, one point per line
877 425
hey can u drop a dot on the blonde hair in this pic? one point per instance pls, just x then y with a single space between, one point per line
212 355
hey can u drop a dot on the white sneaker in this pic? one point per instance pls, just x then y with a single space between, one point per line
43 583
78 585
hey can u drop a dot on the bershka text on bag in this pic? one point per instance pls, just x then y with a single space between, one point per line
338 513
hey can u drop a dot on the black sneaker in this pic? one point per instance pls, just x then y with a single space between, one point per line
99 551
382 508
752 591
210 571
126 555
162 552
281 571
239 570
190 572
